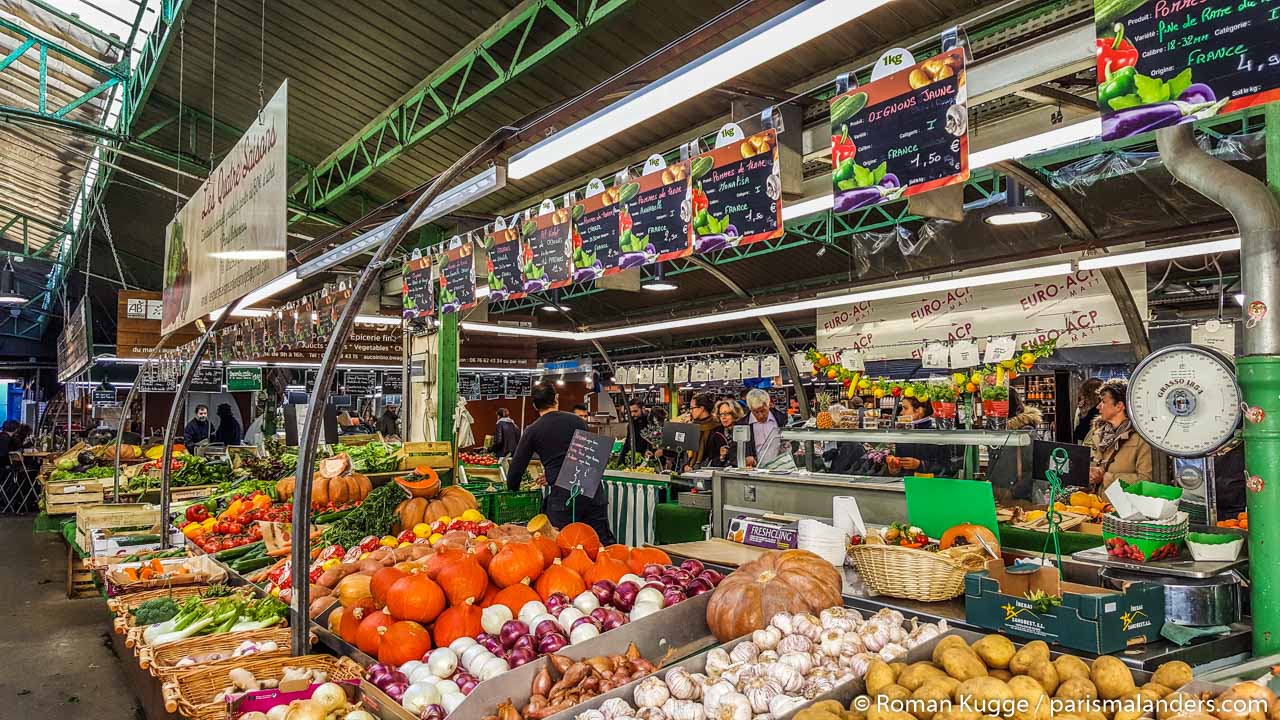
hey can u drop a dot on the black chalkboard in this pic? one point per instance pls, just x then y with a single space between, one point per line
1211 58
732 204
548 252
150 380
491 386
105 398
584 462
458 289
596 252
469 386
504 279
658 231
392 382
518 385
419 289
208 378
309 380
359 383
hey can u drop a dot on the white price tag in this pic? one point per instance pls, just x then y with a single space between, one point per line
732 370
660 374
699 373
770 366
645 376
1000 349
680 374
1215 334
749 367
964 354
716 371
852 360
935 355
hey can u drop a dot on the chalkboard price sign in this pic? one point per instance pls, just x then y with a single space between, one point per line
458 280
654 222
1163 63
901 135
105 398
548 251
736 194
595 244
584 463
504 265
469 386
359 383
491 386
392 382
519 385
208 378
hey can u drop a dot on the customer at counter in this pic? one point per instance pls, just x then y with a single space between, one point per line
912 458
719 450
1021 415
766 423
1119 452
1086 409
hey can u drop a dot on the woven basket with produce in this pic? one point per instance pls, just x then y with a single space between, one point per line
901 561
222 650
200 693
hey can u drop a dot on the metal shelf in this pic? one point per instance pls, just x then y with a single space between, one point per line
1002 438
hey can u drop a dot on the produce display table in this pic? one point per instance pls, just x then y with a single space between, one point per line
633 500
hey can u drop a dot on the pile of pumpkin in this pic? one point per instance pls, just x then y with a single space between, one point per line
335 482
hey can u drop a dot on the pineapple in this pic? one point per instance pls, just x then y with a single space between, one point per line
824 407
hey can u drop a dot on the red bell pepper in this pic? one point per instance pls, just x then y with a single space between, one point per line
197 513
699 200
1115 53
842 148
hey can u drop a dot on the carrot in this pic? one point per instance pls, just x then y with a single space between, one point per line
131 574
282 551
157 566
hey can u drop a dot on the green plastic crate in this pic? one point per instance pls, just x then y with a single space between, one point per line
515 507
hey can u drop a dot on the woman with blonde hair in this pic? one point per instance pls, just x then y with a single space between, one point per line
719 450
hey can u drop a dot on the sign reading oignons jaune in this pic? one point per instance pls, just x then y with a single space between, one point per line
230 237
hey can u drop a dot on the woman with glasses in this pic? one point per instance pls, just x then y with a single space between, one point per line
719 449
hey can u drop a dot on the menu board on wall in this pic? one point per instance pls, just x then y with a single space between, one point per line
518 385
392 382
595 233
652 225
492 386
1163 63
736 191
469 386
901 135
503 262
419 288
458 280
547 246
360 383
208 378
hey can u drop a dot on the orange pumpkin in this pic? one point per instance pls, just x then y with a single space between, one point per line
415 597
489 595
559 578
458 621
642 556
335 620
969 534
382 582
579 535
515 596
402 642
617 552
369 636
349 625
578 561
463 581
791 581
549 549
516 562
606 568
424 482
483 554
442 558
353 588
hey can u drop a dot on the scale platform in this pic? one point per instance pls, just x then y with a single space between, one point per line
1177 568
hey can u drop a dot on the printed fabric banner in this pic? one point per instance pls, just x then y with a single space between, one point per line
1169 62
736 194
458 280
503 263
1077 309
419 288
229 239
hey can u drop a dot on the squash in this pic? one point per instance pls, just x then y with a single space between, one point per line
402 642
515 596
489 595
415 597
579 535
642 556
441 558
349 625
335 620
483 554
969 534
559 579
617 552
606 567
577 561
412 512
540 523
421 484
792 581
463 581
369 636
549 549
458 621
353 588
382 582
516 562
284 488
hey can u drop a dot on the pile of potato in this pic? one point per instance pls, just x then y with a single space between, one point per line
1001 680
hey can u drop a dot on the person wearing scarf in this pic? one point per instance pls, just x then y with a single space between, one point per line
1119 452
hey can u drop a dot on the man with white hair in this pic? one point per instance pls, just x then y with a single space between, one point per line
766 423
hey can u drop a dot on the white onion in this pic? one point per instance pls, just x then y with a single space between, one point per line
533 626
649 596
451 701
442 662
330 696
587 601
474 657
304 710
278 712
358 715
447 686
410 666
492 668
418 696
585 631
531 610
493 617
632 577
640 609
423 674
568 616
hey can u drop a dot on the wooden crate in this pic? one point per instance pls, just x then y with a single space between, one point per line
107 517
434 454
79 578
65 497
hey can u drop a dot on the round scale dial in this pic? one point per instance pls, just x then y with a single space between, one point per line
1184 400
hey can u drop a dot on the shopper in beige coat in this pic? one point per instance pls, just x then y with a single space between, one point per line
1119 452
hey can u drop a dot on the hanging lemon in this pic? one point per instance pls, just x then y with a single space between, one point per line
976 378
958 378
1028 360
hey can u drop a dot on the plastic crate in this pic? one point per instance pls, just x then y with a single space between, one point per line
515 507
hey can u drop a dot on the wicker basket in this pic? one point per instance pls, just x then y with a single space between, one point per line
162 660
125 603
189 692
125 624
914 574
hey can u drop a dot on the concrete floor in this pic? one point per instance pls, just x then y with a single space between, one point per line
56 659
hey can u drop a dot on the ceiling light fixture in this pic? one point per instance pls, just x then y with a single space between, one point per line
771 39
1231 244
659 282
378 320
248 255
241 312
1016 210
9 294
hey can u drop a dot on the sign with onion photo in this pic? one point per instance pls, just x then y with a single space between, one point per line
901 135
1166 63
503 261
596 233
736 191
458 280
547 249
655 216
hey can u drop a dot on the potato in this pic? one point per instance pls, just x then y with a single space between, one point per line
1032 651
1245 701
891 695
1111 677
1067 716
956 713
946 643
1193 716
1133 706
1156 689
874 713
1044 673
1077 689
1173 674
853 713
1178 704
917 674
1095 715
1033 702
1000 674
961 664
984 694
1069 666
897 668
831 706
995 650
879 675
929 699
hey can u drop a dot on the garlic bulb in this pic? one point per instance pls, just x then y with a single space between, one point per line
615 708
782 621
818 686
767 656
593 715
651 692
766 639
874 636
802 662
783 704
839 618
733 707
795 643
651 713
717 662
859 663
806 625
892 652
713 695
744 652
682 685
760 691
893 617
831 642
788 678
683 709
850 645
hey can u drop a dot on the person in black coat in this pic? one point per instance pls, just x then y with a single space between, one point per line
719 450
199 429
913 458
506 436
229 432
1086 409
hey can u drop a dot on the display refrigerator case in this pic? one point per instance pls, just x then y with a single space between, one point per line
1050 392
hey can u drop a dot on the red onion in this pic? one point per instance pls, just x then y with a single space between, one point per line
546 627
600 614
672 595
524 642
711 576
615 619
652 570
521 656
693 566
656 585
557 602
511 631
698 586
624 596
585 619
380 674
552 643
396 690
432 712
491 642
398 677
603 590
466 682
681 576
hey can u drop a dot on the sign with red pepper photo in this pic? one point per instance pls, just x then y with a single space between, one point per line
419 291
547 251
458 280
901 135
503 262
595 233
654 221
736 193
1166 63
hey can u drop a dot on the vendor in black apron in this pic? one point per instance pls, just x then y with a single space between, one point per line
549 437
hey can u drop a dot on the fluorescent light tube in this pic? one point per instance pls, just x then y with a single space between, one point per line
1044 142
779 35
518 331
248 255
378 319
1158 254
240 312
808 206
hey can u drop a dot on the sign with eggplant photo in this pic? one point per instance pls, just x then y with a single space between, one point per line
736 192
903 134
547 250
419 289
654 221
505 279
1167 63
595 233
458 280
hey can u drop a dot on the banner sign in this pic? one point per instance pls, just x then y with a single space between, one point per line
901 135
654 222
596 232
419 288
75 342
505 280
547 251
1077 309
1164 63
229 239
736 193
458 280
244 379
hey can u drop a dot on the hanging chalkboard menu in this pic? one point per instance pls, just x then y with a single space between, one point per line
547 242
505 281
518 385
105 397
151 379
595 241
652 226
901 135
309 380
584 463
359 383
1163 63
492 386
208 378
736 191
469 386
392 382
419 288
458 280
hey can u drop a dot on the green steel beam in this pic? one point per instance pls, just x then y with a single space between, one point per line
75 20
58 48
478 71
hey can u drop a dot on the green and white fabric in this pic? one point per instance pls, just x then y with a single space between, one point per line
631 508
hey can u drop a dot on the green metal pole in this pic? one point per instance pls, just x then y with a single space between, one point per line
447 375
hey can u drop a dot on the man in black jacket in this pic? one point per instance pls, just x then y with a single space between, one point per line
199 429
506 436
549 437
766 423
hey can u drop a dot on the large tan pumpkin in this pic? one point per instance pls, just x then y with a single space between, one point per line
335 482
791 581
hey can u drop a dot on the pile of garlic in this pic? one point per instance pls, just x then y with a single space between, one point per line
794 660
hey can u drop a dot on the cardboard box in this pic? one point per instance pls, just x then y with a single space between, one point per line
1090 618
758 532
